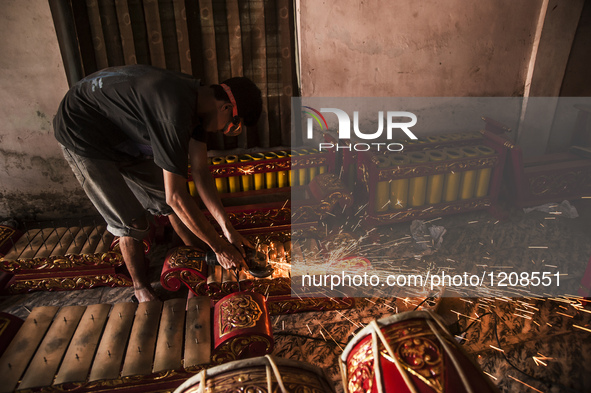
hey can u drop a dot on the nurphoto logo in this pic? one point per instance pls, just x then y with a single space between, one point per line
395 120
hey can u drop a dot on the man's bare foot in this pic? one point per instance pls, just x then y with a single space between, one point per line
145 294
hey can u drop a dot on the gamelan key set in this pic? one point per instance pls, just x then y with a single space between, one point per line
221 338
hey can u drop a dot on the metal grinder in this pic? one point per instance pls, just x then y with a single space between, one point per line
255 260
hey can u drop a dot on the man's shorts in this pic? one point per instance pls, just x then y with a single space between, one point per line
122 192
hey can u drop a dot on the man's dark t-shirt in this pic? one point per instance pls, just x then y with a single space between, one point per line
121 113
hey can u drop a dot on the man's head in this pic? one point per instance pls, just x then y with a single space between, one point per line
243 96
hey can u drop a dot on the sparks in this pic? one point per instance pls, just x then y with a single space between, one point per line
539 359
582 328
529 386
490 375
495 348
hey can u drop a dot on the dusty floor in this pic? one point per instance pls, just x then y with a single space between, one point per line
523 342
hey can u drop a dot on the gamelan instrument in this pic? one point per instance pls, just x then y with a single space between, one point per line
264 374
147 347
271 170
188 265
416 354
433 176
62 258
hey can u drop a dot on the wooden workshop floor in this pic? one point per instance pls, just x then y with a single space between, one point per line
525 343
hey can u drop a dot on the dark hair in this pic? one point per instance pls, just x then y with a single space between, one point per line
247 95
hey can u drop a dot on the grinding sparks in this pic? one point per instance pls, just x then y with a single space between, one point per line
582 328
529 386
490 375
540 359
495 348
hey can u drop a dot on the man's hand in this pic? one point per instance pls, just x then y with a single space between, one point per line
239 241
228 257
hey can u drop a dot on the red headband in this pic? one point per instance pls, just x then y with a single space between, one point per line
232 100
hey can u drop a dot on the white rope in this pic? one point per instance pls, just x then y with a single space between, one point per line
269 380
203 381
277 375
450 353
399 366
343 367
376 361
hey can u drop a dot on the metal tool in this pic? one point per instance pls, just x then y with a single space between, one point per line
255 260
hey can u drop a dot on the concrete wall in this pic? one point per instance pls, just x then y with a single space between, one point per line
445 48
432 48
35 181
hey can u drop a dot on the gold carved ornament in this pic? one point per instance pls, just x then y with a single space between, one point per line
85 282
235 170
255 378
238 312
308 161
233 349
274 286
172 279
109 258
187 257
264 217
432 168
416 349
277 307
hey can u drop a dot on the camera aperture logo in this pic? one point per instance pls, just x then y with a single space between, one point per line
393 122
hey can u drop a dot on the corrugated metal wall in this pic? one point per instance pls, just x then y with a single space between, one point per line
211 39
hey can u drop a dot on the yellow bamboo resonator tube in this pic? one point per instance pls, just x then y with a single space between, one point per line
247 180
302 174
313 171
435 182
221 183
451 187
468 182
399 187
417 186
259 178
483 176
270 177
233 181
282 176
383 187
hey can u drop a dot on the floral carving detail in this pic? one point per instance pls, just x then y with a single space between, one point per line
238 312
